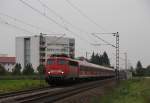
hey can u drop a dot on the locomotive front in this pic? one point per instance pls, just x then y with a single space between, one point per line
56 69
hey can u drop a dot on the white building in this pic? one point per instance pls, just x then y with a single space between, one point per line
36 49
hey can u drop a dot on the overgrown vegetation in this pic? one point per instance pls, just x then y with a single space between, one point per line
130 91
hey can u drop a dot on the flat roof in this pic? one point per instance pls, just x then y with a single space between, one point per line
7 59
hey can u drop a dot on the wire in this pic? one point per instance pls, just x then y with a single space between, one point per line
84 15
60 17
104 40
43 14
55 41
23 22
51 10
63 19
14 26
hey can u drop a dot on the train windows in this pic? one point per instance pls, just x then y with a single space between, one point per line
62 62
50 61
73 63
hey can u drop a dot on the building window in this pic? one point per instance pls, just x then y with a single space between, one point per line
26 51
42 49
71 44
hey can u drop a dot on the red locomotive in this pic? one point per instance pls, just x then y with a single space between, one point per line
63 68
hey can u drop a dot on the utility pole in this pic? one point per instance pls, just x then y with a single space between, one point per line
86 55
117 54
117 49
42 53
126 62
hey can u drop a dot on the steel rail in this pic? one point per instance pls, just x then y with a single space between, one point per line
14 93
49 97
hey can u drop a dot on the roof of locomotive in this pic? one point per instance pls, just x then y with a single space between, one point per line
85 63
66 58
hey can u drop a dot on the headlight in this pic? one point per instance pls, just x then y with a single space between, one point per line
49 72
62 72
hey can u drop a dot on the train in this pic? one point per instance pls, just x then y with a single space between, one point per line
59 69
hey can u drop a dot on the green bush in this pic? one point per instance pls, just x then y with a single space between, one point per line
28 70
2 70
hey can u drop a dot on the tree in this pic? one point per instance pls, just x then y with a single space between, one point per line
147 72
100 59
97 61
17 69
41 69
139 69
106 61
92 60
2 70
28 70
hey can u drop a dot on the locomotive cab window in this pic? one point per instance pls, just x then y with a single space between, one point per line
62 62
73 63
50 61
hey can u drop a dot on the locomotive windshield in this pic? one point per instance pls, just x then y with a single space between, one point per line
61 61
50 61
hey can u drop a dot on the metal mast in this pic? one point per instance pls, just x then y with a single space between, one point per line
117 49
126 61
117 54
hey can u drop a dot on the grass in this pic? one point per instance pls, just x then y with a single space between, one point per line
130 91
21 77
16 85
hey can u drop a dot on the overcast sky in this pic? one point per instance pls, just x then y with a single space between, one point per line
131 18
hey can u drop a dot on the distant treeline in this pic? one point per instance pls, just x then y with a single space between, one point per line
139 70
27 70
100 59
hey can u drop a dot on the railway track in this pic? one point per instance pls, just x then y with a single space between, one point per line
6 95
55 94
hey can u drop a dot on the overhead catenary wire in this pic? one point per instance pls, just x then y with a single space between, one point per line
117 37
51 19
85 15
51 10
91 20
104 40
21 21
55 41
43 14
16 27
123 60
62 18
